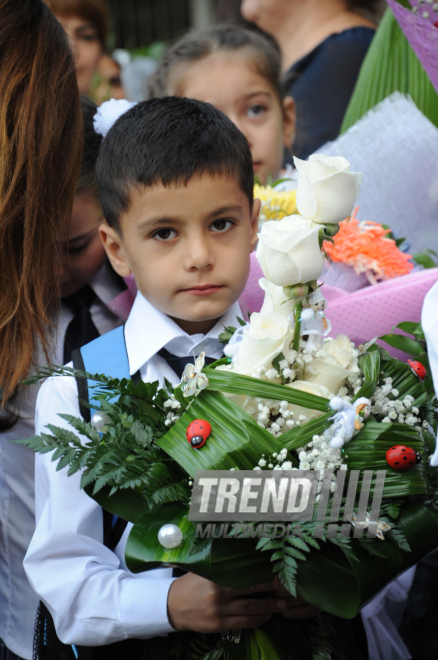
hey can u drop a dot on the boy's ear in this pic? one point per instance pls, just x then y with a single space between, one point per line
255 222
112 242
289 121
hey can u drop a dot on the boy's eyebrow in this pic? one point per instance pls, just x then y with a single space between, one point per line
229 208
261 92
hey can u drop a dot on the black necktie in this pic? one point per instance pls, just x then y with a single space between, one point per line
178 363
81 329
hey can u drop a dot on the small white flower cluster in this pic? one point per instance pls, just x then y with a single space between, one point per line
387 406
289 367
276 416
275 462
173 404
318 455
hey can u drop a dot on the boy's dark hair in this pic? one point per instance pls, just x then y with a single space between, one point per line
196 45
87 176
168 141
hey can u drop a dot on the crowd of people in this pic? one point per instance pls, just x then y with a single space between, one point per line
73 231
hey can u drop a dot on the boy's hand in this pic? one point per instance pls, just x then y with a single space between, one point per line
297 608
197 604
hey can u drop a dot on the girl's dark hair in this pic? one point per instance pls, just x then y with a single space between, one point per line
93 11
87 176
197 45
40 152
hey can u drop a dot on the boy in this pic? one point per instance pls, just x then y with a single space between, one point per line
176 184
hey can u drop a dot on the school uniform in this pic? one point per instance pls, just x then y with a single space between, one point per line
18 602
93 598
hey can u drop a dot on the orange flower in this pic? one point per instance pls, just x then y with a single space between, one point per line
366 247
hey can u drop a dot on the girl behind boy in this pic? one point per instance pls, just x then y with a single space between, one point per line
239 72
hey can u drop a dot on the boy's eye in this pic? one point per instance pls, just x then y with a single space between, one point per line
221 225
256 110
164 234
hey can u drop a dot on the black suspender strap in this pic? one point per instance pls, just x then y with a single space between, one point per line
78 363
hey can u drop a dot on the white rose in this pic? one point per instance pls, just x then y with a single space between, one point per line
266 336
335 362
341 349
288 251
275 299
310 388
327 190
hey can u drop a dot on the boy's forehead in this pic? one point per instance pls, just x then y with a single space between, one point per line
201 195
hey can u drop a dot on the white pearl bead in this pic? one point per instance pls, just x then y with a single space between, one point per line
100 421
170 536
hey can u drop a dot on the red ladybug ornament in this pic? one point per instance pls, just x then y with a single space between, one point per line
198 432
402 458
418 369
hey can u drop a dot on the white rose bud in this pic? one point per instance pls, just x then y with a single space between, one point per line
288 251
327 191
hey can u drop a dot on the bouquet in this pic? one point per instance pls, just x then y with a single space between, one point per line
329 442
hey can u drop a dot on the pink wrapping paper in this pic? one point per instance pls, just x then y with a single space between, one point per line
364 314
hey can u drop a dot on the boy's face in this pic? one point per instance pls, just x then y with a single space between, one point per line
188 247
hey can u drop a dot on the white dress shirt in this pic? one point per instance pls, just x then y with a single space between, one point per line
93 598
18 602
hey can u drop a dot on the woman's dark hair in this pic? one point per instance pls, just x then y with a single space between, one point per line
197 45
371 5
40 152
87 176
93 11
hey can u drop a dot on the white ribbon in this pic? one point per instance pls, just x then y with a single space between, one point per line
108 113
429 322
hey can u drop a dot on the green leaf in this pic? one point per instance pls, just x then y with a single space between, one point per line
231 562
424 259
226 335
405 344
236 439
370 365
391 65
232 383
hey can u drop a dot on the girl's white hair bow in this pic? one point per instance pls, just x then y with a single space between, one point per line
108 114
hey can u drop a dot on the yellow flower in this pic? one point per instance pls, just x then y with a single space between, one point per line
275 204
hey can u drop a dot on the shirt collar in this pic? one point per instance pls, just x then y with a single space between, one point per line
148 330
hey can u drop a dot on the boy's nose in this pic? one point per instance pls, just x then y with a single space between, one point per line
199 256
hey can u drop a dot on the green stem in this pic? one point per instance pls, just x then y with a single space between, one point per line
297 311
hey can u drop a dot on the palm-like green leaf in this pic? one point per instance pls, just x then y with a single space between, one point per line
236 440
391 65
232 383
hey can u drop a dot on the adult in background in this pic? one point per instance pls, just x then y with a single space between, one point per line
40 153
323 44
86 24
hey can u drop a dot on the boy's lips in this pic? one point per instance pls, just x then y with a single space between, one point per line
202 289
